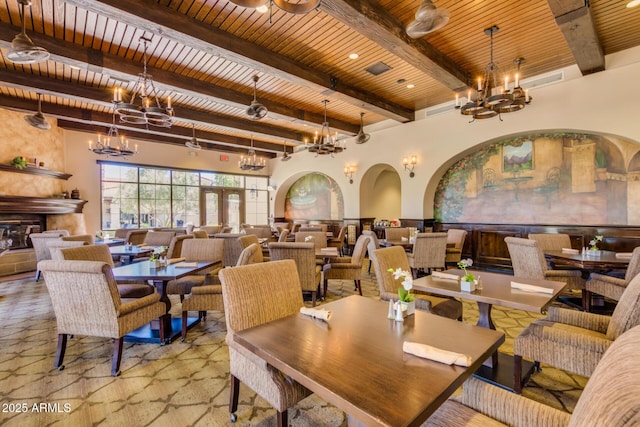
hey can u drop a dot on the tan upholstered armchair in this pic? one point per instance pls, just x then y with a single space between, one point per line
528 261
574 340
318 238
551 241
200 234
396 233
338 242
198 250
429 251
232 247
371 246
136 237
610 398
347 268
159 238
247 305
304 255
395 257
41 248
610 286
86 301
86 238
455 243
284 234
175 246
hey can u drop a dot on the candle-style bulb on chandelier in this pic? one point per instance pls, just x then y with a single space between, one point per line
492 99
251 162
150 111
324 142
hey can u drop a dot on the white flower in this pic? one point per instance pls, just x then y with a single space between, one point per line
398 273
308 238
407 283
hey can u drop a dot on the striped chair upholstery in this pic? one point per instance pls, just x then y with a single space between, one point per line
201 250
429 251
159 238
86 238
318 238
232 247
396 233
371 246
395 257
455 237
610 286
247 305
574 340
610 398
39 243
86 301
347 268
304 254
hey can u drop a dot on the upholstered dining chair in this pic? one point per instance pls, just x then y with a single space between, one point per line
396 233
198 250
318 238
200 234
211 229
86 238
395 257
610 286
304 255
528 261
209 296
574 340
455 243
40 247
56 245
338 242
429 252
610 398
159 238
86 301
551 241
101 253
284 234
347 268
232 247
247 305
175 246
136 237
250 239
371 246
60 231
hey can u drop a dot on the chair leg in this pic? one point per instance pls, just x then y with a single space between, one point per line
62 346
358 286
282 418
184 325
369 269
117 356
203 315
37 275
517 374
325 288
181 298
234 392
162 331
313 298
586 300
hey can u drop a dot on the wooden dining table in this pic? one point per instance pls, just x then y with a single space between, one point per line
496 290
606 260
145 270
126 253
356 361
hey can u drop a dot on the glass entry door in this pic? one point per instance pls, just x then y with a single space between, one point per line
222 206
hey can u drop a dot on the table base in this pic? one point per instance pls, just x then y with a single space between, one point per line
147 334
502 374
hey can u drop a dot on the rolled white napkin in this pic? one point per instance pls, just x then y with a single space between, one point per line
329 250
184 264
404 239
432 353
531 288
441 275
570 251
624 255
316 313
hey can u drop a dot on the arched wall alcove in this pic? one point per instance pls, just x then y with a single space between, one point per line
544 177
380 192
309 195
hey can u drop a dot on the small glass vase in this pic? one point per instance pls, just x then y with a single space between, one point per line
408 308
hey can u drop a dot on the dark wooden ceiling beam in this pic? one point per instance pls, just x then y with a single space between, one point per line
371 20
161 20
96 122
575 20
98 96
123 69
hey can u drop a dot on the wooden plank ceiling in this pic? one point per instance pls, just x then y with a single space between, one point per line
204 53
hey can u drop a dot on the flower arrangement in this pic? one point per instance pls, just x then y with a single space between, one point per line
404 292
155 256
308 239
99 235
464 264
593 244
19 162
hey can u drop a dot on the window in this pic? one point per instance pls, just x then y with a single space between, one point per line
145 197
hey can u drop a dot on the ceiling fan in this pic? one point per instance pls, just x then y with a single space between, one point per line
256 110
428 19
193 142
361 137
38 120
23 50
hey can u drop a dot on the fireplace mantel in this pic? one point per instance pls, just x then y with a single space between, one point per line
38 205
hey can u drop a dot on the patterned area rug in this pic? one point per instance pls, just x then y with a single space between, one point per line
181 384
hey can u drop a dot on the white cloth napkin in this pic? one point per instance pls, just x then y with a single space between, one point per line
404 239
531 288
441 275
330 250
433 353
316 313
184 264
624 255
570 251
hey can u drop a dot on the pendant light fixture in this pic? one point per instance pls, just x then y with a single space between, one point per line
193 142
256 110
251 162
324 143
362 137
23 50
38 120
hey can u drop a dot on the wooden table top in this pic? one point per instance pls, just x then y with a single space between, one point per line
496 290
133 250
606 260
329 252
109 242
356 361
143 271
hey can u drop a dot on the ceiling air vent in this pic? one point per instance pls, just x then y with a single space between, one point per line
377 68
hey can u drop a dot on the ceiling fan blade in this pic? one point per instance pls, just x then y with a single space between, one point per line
428 19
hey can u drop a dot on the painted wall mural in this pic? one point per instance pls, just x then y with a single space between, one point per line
314 196
544 178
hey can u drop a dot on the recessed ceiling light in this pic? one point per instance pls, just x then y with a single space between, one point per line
262 9
73 67
633 3
353 56
410 86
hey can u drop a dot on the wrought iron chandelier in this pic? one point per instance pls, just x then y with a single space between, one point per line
492 99
251 162
150 111
325 143
120 147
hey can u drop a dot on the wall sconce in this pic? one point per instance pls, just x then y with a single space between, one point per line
348 172
409 164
